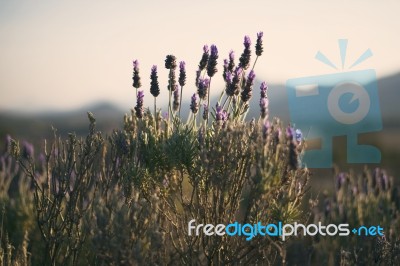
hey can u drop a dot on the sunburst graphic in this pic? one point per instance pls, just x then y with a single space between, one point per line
343 51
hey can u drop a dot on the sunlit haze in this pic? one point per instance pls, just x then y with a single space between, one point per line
62 55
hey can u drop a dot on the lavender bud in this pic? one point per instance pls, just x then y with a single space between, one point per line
248 88
204 58
263 89
244 60
264 107
212 62
203 88
136 78
194 106
154 87
139 105
175 105
182 74
259 46
170 62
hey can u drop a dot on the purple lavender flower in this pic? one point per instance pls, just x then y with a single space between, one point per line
263 89
139 105
264 107
204 59
198 73
27 150
212 61
175 104
182 74
170 62
136 78
194 105
244 60
154 87
221 115
233 87
231 64
259 46
205 111
248 88
203 88
224 73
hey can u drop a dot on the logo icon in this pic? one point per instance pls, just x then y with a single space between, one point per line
339 104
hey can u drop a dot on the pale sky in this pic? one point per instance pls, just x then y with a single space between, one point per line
62 55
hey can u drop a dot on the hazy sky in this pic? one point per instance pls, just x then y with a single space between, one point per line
60 55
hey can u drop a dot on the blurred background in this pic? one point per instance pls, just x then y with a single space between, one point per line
59 60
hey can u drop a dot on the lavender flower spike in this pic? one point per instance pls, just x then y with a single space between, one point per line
204 58
264 107
205 111
139 105
212 61
248 88
154 86
244 60
263 89
194 106
136 78
221 115
259 46
203 88
182 74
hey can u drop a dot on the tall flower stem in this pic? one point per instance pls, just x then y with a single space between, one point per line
180 104
208 100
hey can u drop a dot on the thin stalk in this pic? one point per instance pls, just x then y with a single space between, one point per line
208 104
180 102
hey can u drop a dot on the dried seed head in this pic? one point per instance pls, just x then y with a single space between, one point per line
170 62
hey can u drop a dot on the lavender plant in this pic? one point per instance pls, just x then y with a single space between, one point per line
127 198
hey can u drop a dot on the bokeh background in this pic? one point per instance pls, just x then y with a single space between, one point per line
60 59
